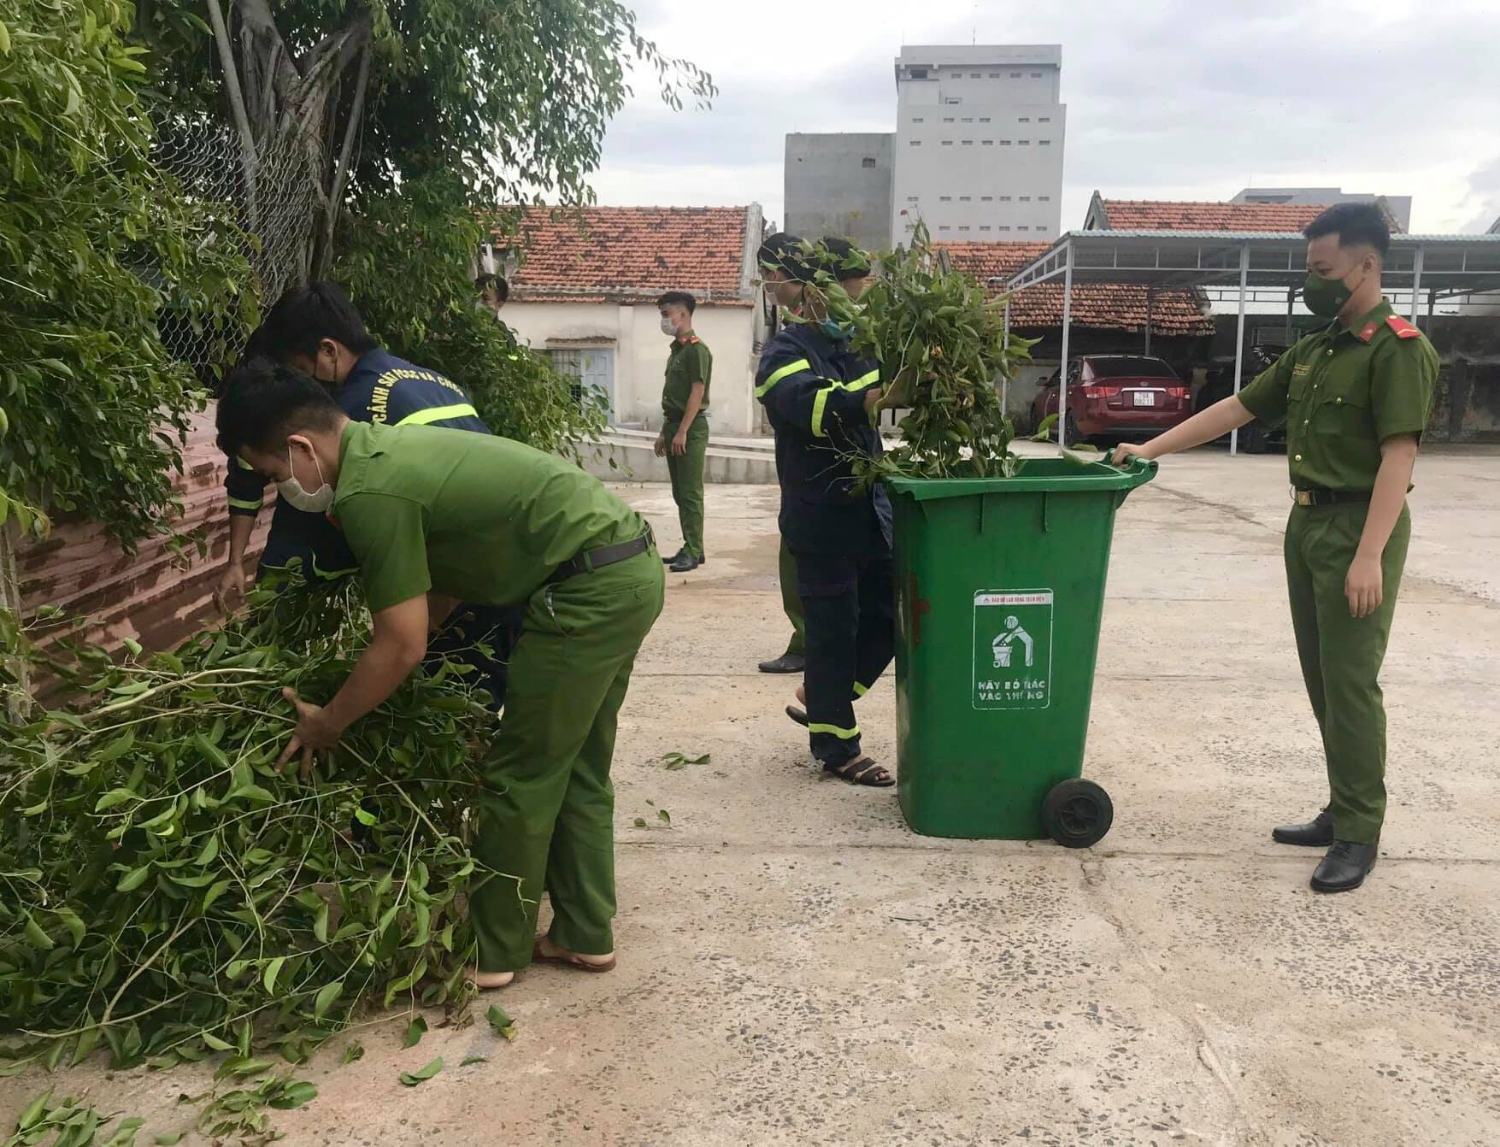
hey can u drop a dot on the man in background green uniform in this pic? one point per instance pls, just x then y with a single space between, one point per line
436 515
684 429
1355 397
851 267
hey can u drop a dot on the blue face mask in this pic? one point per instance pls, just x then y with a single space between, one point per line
837 331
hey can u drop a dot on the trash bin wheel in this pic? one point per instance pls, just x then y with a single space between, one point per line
1077 813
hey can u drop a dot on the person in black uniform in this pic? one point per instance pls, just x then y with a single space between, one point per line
316 329
822 402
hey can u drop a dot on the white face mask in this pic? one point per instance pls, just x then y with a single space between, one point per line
667 328
318 501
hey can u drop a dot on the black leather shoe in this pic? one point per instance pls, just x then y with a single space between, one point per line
1345 867
786 663
1317 833
684 563
675 557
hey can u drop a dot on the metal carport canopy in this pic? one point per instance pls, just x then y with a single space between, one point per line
1442 265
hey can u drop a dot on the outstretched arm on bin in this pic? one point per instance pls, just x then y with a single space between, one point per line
1215 422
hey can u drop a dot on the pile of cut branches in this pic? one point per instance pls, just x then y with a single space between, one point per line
941 337
165 893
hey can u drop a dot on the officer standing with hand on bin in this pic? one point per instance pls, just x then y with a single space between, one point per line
822 402
1356 396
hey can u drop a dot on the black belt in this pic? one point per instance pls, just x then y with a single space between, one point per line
1317 496
587 561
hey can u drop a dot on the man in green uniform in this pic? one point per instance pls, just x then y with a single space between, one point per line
684 429
851 267
1355 396
433 516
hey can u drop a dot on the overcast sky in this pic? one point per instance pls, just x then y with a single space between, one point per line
1168 99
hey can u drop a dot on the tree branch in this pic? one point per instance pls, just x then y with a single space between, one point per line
346 153
236 99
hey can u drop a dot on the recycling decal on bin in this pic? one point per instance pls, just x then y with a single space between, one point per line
1013 649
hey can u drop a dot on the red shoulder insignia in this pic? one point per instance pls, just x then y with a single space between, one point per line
693 339
1367 332
1403 329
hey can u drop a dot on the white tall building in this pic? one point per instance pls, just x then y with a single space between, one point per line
979 143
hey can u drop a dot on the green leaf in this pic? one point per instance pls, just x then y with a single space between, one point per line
216 1043
414 1032
640 822
36 937
664 816
133 879
412 1078
470 1059
33 1113
326 997
320 924
502 1023
73 923
114 797
353 1052
242 1066
295 1095
368 819
273 969
168 1139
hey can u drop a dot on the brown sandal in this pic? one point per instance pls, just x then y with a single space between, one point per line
862 771
568 959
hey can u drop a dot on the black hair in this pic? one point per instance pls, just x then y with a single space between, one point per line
679 299
783 252
1354 224
502 288
845 261
305 316
264 401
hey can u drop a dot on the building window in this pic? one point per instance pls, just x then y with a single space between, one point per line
1043 119
1044 143
1024 119
916 143
986 199
989 143
984 119
1015 75
868 161
945 228
911 198
1005 199
968 143
1025 199
948 119
1023 143
1023 228
982 228
958 75
963 228
965 198
945 199
968 119
1036 75
1005 143
1044 199
994 75
1002 227
917 119
976 75
952 100
919 73
947 143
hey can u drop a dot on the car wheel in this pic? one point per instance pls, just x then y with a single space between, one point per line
1073 435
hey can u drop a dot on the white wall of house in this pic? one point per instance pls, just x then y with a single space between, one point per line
632 332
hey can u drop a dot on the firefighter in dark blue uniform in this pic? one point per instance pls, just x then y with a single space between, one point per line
317 330
823 403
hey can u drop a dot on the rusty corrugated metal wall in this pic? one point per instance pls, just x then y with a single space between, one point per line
155 596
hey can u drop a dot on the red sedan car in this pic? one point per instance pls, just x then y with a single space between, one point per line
1118 396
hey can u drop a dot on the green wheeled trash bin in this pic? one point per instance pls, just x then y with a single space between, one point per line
1000 584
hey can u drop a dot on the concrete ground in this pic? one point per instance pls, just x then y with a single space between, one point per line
796 967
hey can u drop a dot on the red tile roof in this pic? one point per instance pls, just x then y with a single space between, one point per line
629 254
1164 215
1103 306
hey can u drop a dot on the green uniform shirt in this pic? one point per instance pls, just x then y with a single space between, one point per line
688 362
1344 391
479 518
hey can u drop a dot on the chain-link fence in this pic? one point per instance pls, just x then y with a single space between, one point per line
272 203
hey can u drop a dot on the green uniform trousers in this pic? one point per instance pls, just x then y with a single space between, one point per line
1341 656
791 603
547 812
687 480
